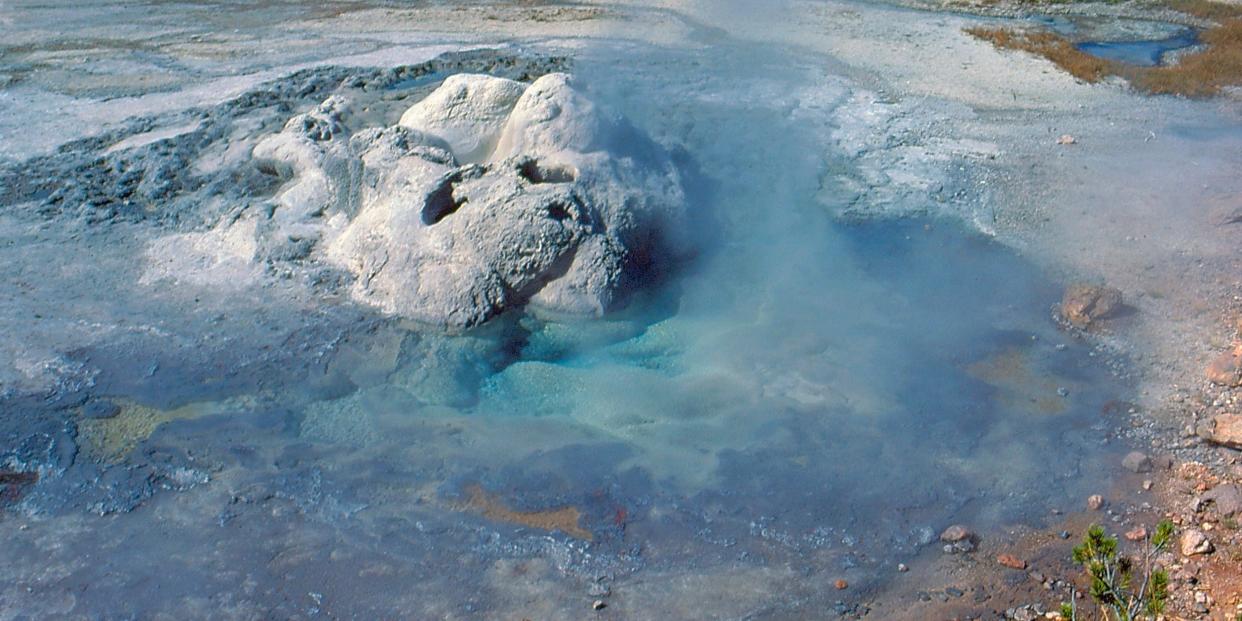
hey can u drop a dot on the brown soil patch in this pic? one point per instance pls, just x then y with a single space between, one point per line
1052 46
564 519
1198 74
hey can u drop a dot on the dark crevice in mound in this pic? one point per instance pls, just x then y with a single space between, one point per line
536 172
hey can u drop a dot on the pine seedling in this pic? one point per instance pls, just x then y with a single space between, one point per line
1125 588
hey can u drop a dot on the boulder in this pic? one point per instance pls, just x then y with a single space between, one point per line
1226 369
1225 430
488 195
1227 499
1083 304
1137 462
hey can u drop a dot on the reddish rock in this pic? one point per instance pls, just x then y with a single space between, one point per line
1083 304
1136 534
1095 502
1226 369
956 533
1226 430
841 585
1011 561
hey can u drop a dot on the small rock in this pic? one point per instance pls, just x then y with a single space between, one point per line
1036 576
1067 139
841 585
598 605
956 533
1011 561
1228 499
1065 534
1095 502
1136 534
1226 430
1085 303
954 592
1136 461
1195 542
901 567
1226 369
1147 484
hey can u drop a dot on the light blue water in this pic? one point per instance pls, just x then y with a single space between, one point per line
1143 53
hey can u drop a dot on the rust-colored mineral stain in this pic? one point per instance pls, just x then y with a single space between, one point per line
1020 386
564 519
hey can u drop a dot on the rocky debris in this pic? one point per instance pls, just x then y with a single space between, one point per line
488 195
1226 369
1030 612
841 585
1226 498
1194 542
1066 139
902 567
958 539
1225 430
1136 534
1084 304
1011 561
598 604
1136 461
1095 502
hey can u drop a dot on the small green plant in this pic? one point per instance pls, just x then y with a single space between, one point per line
1125 588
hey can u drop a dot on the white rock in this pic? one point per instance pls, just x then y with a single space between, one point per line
1195 542
488 195
467 111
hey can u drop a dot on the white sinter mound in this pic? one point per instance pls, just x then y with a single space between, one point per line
488 194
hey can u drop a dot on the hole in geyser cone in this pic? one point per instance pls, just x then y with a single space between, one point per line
441 202
535 171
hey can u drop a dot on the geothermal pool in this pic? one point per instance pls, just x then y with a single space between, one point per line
808 398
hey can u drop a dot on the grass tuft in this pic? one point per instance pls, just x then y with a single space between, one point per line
1050 45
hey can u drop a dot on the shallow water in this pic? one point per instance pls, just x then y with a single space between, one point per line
1143 53
806 400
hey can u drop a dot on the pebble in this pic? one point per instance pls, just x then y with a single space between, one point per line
598 605
1194 542
1011 561
1095 502
1136 534
1067 139
841 585
901 567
